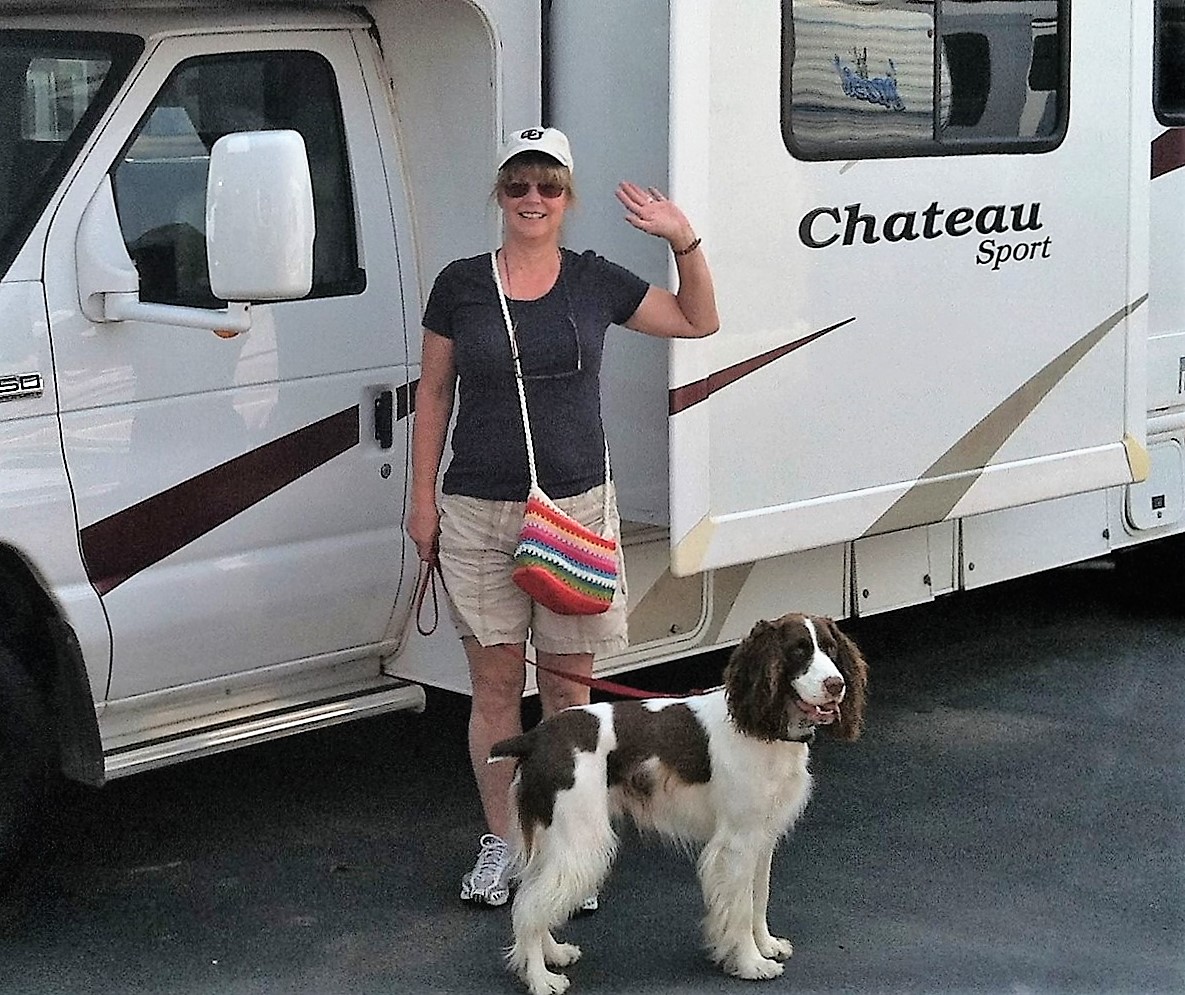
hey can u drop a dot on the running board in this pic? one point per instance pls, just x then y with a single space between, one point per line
391 695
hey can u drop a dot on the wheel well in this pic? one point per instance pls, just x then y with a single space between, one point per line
34 631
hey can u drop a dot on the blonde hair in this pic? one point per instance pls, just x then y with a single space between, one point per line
536 167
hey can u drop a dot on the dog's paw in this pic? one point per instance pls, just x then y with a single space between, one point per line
774 947
546 983
754 969
560 954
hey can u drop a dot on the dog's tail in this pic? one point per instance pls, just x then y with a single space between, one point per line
517 747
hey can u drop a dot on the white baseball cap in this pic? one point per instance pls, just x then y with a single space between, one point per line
549 141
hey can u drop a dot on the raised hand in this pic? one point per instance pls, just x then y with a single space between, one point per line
650 211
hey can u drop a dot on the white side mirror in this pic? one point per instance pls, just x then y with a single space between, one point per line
259 217
109 285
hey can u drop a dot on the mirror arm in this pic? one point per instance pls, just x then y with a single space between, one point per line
109 286
129 307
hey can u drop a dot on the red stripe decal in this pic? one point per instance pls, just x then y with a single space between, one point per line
1168 152
135 538
684 397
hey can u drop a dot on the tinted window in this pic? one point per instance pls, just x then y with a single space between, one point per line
1169 84
160 184
53 87
917 77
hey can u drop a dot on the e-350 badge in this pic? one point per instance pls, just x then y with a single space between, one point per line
19 386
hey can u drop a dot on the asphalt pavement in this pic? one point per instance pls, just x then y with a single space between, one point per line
1013 821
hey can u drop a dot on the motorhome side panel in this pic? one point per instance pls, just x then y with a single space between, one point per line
911 309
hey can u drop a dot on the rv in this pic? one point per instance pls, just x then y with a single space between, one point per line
952 352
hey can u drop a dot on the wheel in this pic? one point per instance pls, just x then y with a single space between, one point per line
24 760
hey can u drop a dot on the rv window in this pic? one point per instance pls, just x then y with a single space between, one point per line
53 87
1168 95
923 77
160 182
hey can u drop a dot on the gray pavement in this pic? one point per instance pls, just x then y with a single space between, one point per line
1013 821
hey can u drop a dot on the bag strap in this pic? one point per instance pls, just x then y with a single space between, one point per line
522 393
518 370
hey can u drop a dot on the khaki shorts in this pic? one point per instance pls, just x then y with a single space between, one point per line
477 540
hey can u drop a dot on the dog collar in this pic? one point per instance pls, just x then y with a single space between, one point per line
808 738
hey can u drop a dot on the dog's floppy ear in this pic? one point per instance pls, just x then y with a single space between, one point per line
851 664
753 683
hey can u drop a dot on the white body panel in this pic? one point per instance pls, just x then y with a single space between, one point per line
951 386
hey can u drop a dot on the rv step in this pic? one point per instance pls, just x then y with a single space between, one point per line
390 695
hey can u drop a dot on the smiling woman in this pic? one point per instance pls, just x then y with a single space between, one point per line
559 305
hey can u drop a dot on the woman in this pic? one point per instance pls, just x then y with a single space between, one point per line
561 304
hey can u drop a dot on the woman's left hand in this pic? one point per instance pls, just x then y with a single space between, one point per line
649 210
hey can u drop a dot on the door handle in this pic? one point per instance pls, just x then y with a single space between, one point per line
384 419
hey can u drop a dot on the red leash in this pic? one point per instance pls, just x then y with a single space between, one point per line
426 581
612 687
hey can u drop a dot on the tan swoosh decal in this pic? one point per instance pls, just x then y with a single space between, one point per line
943 484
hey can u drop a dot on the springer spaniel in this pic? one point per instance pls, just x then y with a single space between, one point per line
726 769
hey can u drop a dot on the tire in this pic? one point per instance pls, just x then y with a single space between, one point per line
24 761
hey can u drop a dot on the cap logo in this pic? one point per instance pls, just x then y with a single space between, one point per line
531 135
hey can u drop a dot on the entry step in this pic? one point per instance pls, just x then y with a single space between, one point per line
388 695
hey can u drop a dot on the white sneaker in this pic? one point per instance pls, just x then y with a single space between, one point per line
489 881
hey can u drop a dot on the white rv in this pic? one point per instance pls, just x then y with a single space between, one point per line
945 237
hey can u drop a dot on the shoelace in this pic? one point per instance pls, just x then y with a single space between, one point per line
492 856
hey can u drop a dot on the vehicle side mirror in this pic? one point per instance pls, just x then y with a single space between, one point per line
259 217
259 234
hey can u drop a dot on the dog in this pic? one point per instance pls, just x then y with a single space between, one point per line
725 772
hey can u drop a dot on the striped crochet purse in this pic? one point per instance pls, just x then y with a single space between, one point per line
560 563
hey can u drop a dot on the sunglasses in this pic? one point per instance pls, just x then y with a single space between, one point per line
556 365
564 366
520 188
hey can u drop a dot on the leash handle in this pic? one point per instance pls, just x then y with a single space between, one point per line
425 580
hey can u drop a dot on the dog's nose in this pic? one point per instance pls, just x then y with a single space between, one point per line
834 686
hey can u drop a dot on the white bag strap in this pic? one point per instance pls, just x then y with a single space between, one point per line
522 394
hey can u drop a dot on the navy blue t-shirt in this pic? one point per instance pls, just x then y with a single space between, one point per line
560 338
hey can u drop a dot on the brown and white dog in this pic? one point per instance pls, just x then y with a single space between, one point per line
726 770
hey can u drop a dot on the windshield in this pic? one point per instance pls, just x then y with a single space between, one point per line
53 88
